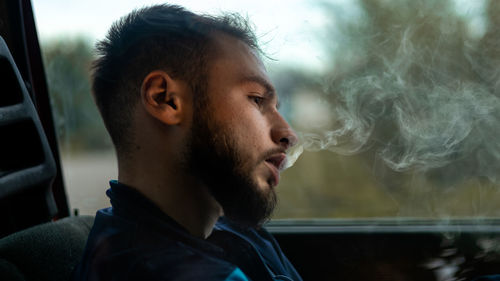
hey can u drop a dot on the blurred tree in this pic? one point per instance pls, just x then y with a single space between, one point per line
67 64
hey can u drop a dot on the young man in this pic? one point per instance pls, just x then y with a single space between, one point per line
200 145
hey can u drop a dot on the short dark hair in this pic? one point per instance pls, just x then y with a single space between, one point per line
166 37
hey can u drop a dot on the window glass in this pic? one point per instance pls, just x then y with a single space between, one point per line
397 103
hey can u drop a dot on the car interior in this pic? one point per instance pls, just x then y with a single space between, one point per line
34 246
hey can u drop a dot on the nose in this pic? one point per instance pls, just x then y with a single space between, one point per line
283 134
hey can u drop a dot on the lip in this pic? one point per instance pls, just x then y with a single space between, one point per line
276 163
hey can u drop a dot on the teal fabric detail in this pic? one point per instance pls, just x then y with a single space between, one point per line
237 275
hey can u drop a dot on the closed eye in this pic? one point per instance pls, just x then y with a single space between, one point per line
259 101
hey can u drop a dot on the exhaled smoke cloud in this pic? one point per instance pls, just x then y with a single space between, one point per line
439 124
421 103
430 126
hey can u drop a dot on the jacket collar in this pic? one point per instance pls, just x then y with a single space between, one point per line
129 203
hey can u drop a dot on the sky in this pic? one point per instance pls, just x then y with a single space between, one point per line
287 29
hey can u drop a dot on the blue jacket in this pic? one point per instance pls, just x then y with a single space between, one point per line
135 240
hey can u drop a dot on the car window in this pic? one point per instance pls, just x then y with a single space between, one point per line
396 103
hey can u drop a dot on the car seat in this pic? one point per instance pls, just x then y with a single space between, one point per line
32 246
46 252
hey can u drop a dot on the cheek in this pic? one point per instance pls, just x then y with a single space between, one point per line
252 131
246 125
251 149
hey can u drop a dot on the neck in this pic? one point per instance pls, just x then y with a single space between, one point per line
177 194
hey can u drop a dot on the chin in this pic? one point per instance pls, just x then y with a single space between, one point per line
263 181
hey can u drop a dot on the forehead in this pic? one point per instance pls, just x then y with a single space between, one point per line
228 47
234 61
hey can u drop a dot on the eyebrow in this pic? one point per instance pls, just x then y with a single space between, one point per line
270 91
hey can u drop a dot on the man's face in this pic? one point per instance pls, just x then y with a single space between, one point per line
238 141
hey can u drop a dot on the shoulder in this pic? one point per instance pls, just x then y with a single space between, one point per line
169 261
188 267
123 250
258 237
261 240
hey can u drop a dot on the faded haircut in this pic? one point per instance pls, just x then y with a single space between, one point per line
166 37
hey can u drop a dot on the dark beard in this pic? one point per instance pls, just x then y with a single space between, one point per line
213 157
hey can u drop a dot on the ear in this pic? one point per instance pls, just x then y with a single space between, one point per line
164 98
